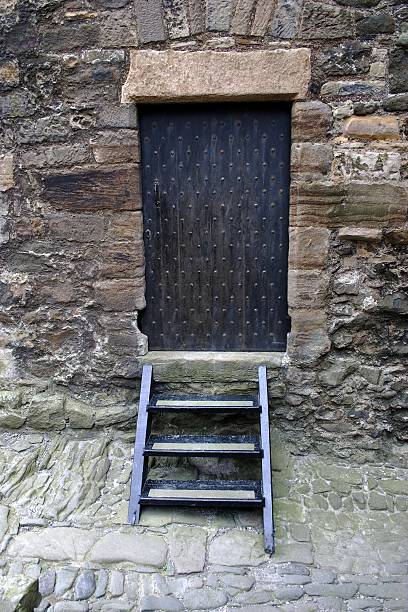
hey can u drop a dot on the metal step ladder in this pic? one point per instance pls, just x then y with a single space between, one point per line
202 493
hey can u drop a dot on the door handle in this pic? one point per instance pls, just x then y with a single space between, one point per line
156 189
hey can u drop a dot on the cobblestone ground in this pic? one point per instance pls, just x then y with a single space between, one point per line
342 535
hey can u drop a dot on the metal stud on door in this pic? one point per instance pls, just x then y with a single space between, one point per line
215 199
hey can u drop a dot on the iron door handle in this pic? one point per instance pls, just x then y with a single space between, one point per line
156 189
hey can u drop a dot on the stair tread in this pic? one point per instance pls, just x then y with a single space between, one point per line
202 492
213 403
207 445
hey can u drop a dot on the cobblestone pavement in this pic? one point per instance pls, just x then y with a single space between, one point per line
342 535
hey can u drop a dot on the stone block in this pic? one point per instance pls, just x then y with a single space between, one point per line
379 23
237 548
286 19
397 236
9 73
94 189
53 544
118 30
144 550
187 548
325 21
6 172
149 19
79 414
121 295
307 289
77 227
398 73
362 164
204 599
352 88
345 59
371 204
176 19
210 75
364 234
241 18
262 17
313 158
311 121
218 15
46 412
396 103
311 202
125 226
308 320
123 116
307 346
18 592
196 16
84 585
68 37
308 247
167 603
122 260
17 104
56 156
374 127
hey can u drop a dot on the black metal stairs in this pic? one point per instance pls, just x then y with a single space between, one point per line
202 493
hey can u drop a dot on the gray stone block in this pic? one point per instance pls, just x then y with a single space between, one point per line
46 583
166 603
65 580
286 20
149 20
85 585
218 16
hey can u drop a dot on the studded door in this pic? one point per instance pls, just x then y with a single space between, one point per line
215 202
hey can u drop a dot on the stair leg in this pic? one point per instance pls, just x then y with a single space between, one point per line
269 529
139 460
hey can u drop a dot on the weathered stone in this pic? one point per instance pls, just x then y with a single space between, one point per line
403 39
9 73
359 3
311 120
237 548
376 501
102 583
399 487
187 548
308 247
168 603
46 412
252 598
367 165
125 226
240 22
288 593
84 585
79 414
116 583
312 158
307 288
123 116
386 590
6 172
372 128
18 593
97 189
196 16
175 16
115 547
70 36
7 6
204 599
200 75
296 552
218 15
46 583
345 591
352 88
336 373
345 59
365 234
397 236
54 156
243 583
70 606
262 17
365 108
397 103
120 295
324 21
122 260
53 544
286 19
380 23
64 580
397 70
77 228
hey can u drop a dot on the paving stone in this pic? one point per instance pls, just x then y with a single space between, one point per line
243 583
204 599
167 603
187 548
65 580
84 585
118 547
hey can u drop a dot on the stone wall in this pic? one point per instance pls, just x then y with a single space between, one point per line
72 282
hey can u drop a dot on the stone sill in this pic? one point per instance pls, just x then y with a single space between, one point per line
210 366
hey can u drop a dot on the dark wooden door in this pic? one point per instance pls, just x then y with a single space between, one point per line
215 200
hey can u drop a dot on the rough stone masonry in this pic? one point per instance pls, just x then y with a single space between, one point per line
72 284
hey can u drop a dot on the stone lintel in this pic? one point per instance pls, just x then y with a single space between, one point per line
176 76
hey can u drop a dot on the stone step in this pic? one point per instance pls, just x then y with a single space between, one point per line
203 446
215 493
203 403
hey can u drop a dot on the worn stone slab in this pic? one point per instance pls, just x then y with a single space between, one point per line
285 22
159 76
175 16
372 127
237 548
240 23
54 544
117 547
6 172
187 548
203 366
218 15
263 13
